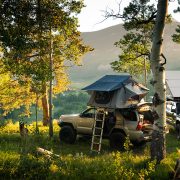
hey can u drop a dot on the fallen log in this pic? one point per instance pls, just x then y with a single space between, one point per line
47 153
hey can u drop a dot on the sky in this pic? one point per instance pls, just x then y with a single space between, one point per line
91 16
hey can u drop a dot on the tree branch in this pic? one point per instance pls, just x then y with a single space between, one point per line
138 56
109 13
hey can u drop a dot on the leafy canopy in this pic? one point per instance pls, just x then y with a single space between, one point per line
138 19
26 29
25 35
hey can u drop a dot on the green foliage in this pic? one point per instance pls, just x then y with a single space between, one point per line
176 37
138 13
29 38
13 94
127 144
135 45
70 103
20 160
64 103
27 29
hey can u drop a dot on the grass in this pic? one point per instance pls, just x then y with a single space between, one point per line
20 160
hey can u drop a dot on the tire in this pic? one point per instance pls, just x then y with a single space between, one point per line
117 140
67 134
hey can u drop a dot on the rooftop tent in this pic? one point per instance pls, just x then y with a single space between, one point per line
115 91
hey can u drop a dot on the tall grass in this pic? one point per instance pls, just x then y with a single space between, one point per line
19 158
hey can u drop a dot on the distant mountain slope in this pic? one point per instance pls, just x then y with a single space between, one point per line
97 63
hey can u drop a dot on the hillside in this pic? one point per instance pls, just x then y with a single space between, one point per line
97 63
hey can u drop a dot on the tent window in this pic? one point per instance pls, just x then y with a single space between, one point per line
136 98
129 115
103 97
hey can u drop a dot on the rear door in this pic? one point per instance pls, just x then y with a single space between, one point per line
148 118
131 121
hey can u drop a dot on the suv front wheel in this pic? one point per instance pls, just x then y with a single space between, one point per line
117 140
67 134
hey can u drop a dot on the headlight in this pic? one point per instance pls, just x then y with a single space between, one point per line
60 120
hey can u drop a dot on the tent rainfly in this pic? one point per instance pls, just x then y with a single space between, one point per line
115 91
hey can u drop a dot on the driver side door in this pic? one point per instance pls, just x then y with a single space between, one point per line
86 121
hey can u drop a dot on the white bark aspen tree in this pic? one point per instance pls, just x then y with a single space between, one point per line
158 145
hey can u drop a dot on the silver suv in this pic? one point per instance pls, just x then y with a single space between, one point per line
135 122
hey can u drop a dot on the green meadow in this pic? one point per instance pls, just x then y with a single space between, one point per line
19 158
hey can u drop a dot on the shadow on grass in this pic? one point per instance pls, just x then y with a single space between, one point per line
20 159
15 143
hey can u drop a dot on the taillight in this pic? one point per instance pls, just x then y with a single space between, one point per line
139 126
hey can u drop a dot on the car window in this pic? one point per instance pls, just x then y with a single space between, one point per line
89 113
148 116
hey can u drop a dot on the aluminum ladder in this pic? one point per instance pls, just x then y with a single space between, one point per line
98 130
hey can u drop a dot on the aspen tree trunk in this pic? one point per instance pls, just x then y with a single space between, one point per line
45 107
50 86
44 98
158 145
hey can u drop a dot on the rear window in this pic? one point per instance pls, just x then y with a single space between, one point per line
178 108
148 116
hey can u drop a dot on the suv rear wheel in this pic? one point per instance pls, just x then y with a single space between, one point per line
67 134
117 140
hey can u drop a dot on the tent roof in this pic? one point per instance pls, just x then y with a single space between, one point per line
109 83
137 90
